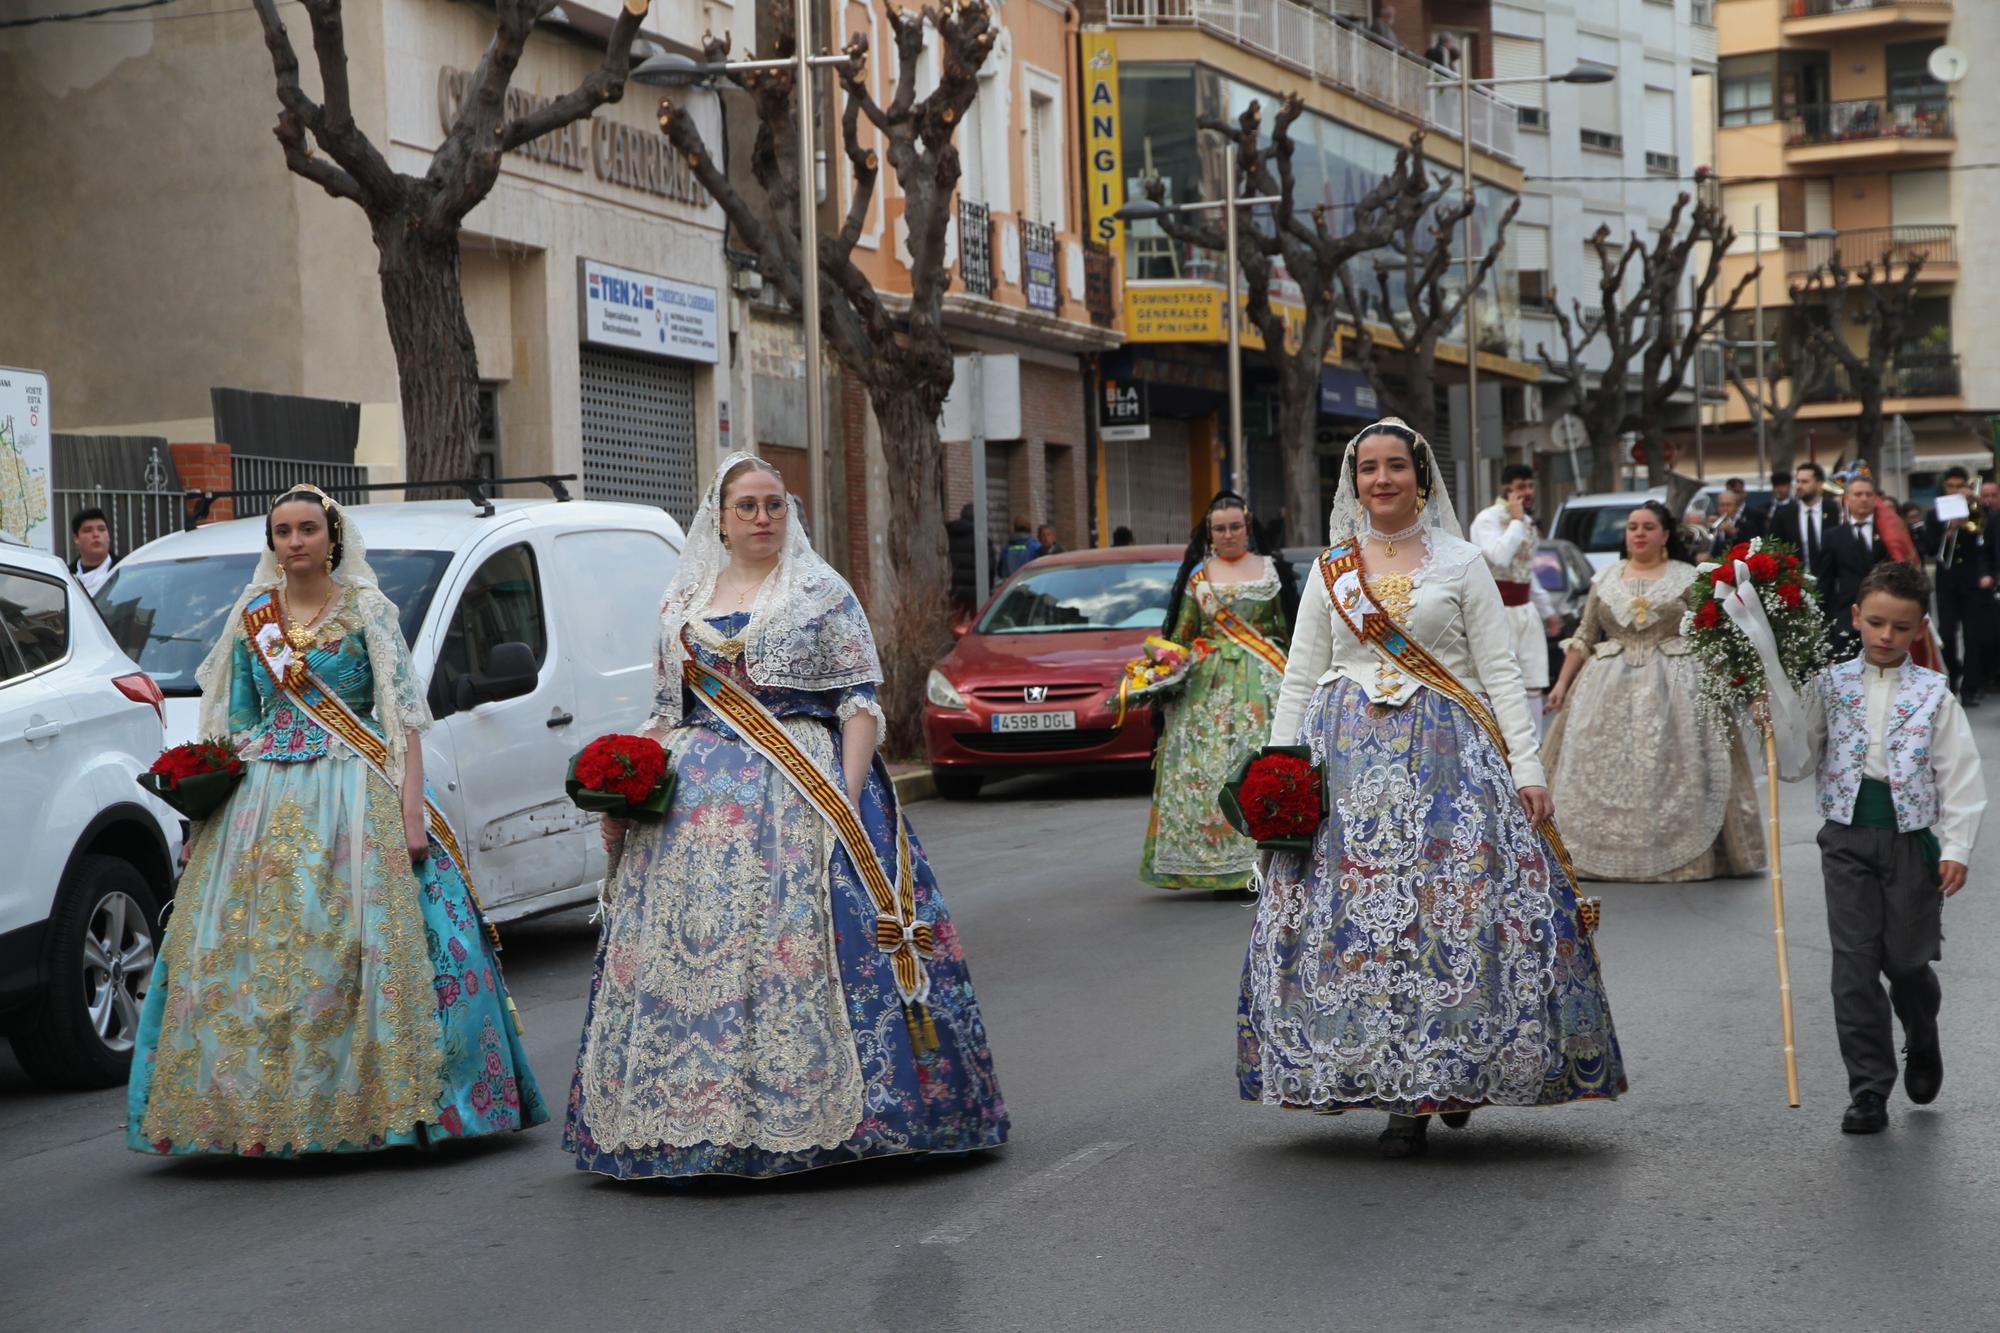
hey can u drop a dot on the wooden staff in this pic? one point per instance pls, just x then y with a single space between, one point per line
1778 918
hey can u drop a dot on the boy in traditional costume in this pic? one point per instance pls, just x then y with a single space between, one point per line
1901 792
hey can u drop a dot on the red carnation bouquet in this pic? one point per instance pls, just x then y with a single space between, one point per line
1732 672
622 776
1277 798
195 778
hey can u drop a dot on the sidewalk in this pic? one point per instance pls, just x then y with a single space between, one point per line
913 782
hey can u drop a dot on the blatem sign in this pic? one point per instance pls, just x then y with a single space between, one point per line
1121 413
641 312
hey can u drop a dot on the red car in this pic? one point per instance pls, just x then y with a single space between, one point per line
1032 684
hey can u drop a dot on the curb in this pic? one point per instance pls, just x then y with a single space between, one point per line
915 785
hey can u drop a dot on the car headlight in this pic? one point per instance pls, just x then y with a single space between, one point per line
940 691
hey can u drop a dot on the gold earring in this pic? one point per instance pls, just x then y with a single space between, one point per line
1421 502
328 562
725 541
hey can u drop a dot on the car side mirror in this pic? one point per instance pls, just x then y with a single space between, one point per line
509 673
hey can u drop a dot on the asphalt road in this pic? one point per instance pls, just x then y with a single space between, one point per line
1138 1192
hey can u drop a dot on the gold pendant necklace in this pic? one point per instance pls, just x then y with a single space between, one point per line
301 636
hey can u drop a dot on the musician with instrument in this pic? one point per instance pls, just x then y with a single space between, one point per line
1968 567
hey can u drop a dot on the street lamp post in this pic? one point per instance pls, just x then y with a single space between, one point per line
678 71
1146 210
1465 83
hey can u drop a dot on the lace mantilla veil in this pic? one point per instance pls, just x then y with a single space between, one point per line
400 710
1348 520
806 632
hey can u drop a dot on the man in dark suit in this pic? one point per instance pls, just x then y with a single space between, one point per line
1853 547
1968 564
1805 520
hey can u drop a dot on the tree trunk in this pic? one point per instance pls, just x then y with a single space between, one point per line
1298 435
913 628
1868 432
435 358
1655 440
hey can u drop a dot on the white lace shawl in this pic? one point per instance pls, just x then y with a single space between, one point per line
1348 519
807 630
400 710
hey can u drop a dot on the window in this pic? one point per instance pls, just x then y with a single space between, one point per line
1597 117
1045 156
612 569
1078 597
34 620
1522 58
502 604
1910 81
1747 91
1662 131
1531 259
167 614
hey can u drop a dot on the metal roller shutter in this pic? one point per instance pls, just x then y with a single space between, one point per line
1519 58
1146 483
1531 248
1661 127
639 431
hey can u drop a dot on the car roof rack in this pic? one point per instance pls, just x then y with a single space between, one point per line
475 489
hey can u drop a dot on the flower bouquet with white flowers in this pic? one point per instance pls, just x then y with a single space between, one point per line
1759 596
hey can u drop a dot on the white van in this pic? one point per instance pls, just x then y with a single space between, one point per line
533 624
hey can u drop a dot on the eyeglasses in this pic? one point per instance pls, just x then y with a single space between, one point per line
774 508
1228 529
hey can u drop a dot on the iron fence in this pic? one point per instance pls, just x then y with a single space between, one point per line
975 247
272 477
1812 9
1893 246
1868 118
136 517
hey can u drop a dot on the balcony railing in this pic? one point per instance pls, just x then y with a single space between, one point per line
975 248
1870 118
1911 375
1893 246
1335 54
1813 9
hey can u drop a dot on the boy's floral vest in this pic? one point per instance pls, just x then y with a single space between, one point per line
1907 744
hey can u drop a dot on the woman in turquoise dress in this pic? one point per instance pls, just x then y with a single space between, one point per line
755 1009
1230 611
326 983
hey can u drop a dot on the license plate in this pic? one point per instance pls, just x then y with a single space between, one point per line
1063 721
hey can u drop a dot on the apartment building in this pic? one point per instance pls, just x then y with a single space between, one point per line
1613 155
1153 69
1832 116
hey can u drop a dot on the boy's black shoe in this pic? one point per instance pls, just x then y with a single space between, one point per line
1923 1071
1868 1113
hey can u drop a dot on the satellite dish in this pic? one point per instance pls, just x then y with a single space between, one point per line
1948 64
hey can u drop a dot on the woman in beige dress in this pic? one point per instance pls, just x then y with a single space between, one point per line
1652 788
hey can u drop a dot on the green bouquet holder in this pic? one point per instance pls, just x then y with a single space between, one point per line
197 797
1232 805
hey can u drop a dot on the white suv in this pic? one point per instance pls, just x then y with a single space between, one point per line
533 625
89 856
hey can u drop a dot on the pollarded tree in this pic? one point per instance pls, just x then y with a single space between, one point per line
900 356
415 220
1803 370
1421 308
1885 309
1641 325
1312 254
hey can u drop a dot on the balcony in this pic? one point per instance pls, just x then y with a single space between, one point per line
1816 18
1893 246
1099 270
975 248
1911 375
1340 57
1870 127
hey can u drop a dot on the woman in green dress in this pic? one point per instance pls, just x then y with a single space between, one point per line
1231 612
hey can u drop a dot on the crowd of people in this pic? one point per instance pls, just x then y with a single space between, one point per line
778 986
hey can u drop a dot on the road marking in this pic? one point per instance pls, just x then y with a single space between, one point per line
974 1220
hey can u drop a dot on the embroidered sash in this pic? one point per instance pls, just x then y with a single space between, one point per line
265 631
1234 627
898 933
1340 569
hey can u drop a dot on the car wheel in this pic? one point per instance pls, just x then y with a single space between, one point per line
956 786
102 942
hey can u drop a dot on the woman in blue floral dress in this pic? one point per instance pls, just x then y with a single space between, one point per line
749 1015
326 983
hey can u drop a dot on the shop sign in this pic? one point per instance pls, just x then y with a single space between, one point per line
1172 314
1347 393
1122 412
640 312
1104 172
1040 263
24 457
